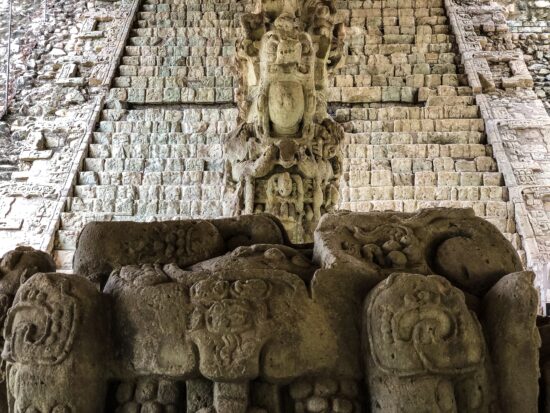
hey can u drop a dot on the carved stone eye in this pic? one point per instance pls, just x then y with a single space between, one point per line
272 46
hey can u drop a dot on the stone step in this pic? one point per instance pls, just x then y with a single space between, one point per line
206 39
186 66
440 138
421 60
182 52
151 165
63 260
180 7
66 239
164 114
211 137
436 44
418 51
168 81
396 113
399 93
200 4
170 128
404 78
360 175
424 192
394 25
426 151
209 202
197 21
188 16
188 35
180 24
444 100
415 125
445 165
152 188
153 174
204 95
148 151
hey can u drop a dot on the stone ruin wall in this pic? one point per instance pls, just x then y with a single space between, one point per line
158 78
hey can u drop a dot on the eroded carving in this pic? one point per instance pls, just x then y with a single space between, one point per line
54 363
428 310
412 326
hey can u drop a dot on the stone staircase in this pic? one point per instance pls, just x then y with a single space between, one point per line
148 164
414 137
180 52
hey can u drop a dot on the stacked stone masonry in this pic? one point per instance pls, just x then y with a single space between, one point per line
529 21
414 137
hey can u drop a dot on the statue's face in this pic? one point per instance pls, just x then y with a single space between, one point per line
286 59
286 107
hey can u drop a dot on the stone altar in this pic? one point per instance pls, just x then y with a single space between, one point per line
387 312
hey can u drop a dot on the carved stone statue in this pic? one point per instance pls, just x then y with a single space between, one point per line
284 158
389 312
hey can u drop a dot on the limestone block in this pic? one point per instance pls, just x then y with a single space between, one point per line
381 178
470 179
447 178
86 262
424 192
362 94
492 179
408 374
136 95
425 178
510 309
171 95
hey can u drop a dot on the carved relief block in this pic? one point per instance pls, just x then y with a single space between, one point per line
51 331
67 76
183 242
430 242
422 345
